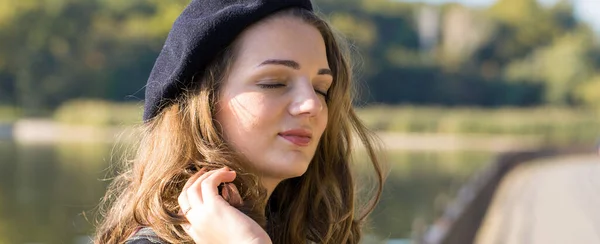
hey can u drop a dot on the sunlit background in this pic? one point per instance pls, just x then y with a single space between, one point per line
448 85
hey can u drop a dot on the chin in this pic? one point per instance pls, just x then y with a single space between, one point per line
292 170
292 173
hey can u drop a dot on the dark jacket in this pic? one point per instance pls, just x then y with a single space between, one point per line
145 236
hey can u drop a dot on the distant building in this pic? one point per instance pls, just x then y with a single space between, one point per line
428 26
454 33
462 33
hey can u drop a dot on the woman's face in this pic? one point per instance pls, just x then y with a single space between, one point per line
272 105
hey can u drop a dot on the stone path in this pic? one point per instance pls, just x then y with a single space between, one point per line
546 202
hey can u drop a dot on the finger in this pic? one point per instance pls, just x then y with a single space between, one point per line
224 191
193 179
210 184
188 229
183 201
194 192
232 195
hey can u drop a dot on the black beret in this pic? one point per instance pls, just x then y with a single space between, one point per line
204 28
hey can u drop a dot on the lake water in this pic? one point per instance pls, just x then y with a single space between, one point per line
48 192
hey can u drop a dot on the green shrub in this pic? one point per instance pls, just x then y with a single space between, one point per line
9 113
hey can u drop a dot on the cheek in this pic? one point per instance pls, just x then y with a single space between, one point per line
324 120
245 115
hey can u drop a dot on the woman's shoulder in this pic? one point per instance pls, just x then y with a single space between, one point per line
145 235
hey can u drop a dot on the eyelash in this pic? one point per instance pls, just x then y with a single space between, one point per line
273 86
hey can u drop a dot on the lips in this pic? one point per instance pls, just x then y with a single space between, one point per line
299 137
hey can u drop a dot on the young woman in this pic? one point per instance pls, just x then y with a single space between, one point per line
248 134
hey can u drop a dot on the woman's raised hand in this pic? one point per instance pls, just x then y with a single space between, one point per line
212 219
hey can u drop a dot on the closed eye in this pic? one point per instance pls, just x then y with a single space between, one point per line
274 86
270 86
321 93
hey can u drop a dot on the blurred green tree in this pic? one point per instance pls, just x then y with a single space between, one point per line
588 92
65 49
517 52
560 67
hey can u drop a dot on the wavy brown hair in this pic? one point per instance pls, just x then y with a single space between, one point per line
319 206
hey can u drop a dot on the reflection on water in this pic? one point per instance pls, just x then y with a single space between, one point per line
419 186
45 189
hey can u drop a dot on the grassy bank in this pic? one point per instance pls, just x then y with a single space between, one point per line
9 114
552 124
99 113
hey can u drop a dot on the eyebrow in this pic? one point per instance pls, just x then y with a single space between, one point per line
292 64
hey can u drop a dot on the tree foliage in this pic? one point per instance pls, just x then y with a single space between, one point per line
516 52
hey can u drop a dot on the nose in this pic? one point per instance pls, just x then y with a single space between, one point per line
305 101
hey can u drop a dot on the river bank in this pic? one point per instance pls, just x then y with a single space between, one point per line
41 131
47 131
